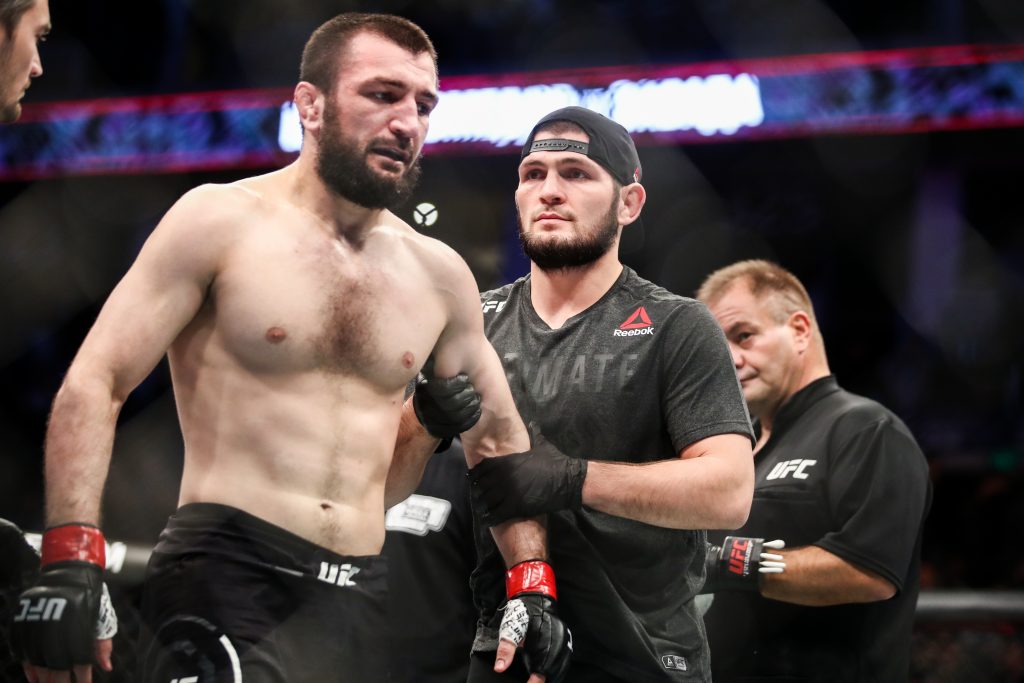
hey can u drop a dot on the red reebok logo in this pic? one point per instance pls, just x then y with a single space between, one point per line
638 323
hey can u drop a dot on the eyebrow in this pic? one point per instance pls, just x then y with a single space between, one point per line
575 160
734 327
428 95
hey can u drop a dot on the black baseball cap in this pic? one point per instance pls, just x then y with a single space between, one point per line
610 144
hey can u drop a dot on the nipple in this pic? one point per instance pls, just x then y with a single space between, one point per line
276 335
407 359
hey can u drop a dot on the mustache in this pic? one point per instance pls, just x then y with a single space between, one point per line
399 150
567 216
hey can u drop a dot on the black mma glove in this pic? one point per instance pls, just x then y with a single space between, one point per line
57 621
445 406
541 480
20 563
531 620
739 564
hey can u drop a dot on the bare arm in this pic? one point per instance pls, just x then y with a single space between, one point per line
817 578
156 298
710 486
464 348
413 448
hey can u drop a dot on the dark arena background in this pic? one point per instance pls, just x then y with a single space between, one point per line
875 149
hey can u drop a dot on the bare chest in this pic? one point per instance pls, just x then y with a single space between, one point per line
311 309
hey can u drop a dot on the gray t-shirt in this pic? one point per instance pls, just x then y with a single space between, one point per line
637 377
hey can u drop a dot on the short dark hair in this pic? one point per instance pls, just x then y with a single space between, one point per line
320 57
11 12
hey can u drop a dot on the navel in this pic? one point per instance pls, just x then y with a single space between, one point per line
276 335
407 359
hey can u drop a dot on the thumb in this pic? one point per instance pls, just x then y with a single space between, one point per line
104 650
506 652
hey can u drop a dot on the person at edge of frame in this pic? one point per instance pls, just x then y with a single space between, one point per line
24 24
840 477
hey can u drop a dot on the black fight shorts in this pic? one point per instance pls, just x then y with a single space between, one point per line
230 598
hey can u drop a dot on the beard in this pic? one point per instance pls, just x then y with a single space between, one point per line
343 167
9 113
555 252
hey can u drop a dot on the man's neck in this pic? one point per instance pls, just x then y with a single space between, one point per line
343 217
811 372
558 295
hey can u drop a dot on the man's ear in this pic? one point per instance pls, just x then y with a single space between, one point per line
309 103
803 329
633 197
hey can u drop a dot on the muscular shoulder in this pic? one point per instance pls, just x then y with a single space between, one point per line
445 267
211 211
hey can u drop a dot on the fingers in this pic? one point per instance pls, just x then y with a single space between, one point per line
31 674
104 652
772 563
83 674
452 386
535 678
506 652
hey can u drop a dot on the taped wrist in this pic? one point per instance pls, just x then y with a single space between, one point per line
74 543
532 576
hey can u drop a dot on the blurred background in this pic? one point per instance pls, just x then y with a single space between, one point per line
881 162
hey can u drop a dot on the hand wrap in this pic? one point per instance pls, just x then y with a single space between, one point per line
531 620
57 621
541 480
740 563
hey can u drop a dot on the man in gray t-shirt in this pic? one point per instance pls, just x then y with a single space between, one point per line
641 437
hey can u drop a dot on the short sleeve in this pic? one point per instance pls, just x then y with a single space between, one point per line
701 395
878 495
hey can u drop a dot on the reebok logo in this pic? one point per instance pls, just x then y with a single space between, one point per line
44 609
674 662
791 467
338 574
637 324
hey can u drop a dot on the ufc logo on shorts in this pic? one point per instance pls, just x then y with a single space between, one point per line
45 609
791 467
186 679
338 574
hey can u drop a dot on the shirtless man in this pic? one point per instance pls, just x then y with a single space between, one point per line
23 25
294 308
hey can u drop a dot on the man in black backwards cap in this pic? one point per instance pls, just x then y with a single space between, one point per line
641 438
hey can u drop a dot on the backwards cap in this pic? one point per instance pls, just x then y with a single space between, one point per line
610 144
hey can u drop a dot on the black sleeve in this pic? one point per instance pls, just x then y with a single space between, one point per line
878 491
701 395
